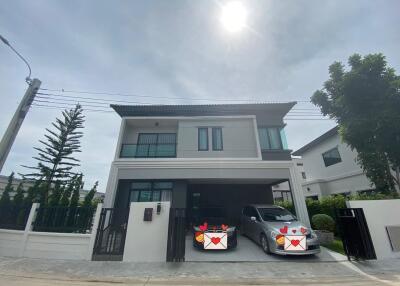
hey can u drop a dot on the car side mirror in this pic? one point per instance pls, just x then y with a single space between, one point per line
253 218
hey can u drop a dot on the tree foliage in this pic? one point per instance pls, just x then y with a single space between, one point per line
5 197
55 159
365 102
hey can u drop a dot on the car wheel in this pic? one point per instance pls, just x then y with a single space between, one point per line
264 244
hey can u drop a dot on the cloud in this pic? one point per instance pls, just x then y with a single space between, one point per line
178 49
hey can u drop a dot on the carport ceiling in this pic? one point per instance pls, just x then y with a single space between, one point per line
237 181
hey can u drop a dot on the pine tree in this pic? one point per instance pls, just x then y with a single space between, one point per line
32 194
5 198
55 158
78 185
18 199
66 195
89 197
54 198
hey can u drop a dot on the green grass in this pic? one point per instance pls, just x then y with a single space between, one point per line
336 245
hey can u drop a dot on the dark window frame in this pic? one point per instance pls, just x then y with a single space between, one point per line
269 137
198 139
151 189
214 142
327 163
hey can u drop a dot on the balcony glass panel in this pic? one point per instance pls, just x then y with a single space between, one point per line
148 150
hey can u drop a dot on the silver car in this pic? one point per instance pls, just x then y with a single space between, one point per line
268 225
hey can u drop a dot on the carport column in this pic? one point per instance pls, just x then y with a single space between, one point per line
111 188
298 197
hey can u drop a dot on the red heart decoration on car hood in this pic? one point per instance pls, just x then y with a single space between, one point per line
203 227
294 231
215 240
284 229
295 242
303 230
224 227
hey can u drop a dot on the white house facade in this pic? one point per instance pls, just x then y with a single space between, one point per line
195 156
329 167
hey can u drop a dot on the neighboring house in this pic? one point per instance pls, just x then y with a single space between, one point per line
200 156
27 184
330 167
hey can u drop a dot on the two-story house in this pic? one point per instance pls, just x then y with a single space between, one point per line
199 156
329 167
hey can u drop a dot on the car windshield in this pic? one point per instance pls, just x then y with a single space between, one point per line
276 214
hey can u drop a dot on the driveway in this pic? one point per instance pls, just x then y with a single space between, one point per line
248 251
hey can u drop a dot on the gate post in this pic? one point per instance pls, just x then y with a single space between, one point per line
93 233
28 227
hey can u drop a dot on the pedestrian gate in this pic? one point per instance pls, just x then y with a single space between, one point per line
176 235
111 233
356 238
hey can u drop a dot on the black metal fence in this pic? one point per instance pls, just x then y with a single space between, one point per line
12 217
64 219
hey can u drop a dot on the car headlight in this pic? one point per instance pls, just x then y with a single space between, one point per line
313 234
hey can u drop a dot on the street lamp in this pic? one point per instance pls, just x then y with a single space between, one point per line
23 107
28 78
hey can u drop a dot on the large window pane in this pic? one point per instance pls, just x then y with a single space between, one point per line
141 185
203 139
283 139
217 139
166 138
263 136
145 196
274 137
147 138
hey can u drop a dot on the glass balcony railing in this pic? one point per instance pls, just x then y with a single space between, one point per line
148 151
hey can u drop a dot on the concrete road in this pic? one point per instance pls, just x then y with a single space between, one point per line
294 271
342 281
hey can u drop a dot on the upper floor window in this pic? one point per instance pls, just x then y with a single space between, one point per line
303 175
151 145
216 133
203 138
217 139
331 157
270 138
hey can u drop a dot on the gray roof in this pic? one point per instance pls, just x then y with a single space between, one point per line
203 110
316 141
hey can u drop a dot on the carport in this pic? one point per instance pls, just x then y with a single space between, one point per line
231 196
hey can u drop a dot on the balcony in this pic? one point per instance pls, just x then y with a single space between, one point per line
166 150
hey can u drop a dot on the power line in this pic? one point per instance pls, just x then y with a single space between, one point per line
149 96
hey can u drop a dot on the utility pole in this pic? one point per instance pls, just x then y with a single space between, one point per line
19 115
16 121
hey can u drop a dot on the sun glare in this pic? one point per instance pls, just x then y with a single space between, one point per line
234 16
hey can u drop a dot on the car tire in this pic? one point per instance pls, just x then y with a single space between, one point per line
264 244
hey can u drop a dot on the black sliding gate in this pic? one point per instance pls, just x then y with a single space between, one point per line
176 235
356 238
111 233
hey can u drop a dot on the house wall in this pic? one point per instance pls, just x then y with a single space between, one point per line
345 176
239 139
146 241
379 214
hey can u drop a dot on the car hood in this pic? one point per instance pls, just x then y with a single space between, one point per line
277 225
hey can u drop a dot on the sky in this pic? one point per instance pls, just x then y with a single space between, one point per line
179 49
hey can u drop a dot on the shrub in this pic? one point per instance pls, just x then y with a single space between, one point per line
323 222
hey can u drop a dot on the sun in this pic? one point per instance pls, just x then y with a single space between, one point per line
234 16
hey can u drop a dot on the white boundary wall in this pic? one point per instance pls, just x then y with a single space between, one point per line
49 245
379 214
146 241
